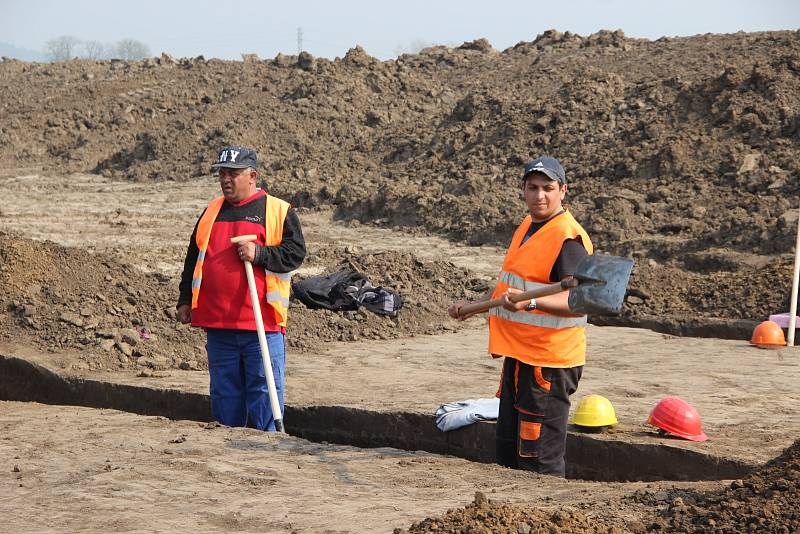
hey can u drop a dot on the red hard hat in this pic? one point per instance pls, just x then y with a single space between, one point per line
678 417
768 334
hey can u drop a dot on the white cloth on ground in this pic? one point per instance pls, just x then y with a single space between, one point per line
462 413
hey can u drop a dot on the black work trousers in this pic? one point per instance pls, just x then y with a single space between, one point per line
531 431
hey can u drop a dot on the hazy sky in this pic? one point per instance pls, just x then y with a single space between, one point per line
225 29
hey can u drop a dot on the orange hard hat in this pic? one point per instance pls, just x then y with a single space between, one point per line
676 416
768 334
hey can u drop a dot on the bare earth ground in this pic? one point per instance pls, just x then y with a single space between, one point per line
632 367
96 470
747 419
681 153
148 225
75 469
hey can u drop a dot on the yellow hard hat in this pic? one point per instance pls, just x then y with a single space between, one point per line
594 411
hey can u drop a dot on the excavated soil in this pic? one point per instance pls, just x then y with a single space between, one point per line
485 516
765 501
681 152
117 317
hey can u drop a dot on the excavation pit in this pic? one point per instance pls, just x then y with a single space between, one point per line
589 457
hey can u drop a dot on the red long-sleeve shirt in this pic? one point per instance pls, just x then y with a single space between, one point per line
224 300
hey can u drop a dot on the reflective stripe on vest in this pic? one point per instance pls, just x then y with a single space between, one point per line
535 319
519 282
537 337
278 285
198 274
275 296
202 236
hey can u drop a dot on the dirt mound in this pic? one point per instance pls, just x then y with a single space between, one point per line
427 288
118 317
766 501
695 300
682 151
484 516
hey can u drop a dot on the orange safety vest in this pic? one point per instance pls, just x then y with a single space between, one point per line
536 337
278 284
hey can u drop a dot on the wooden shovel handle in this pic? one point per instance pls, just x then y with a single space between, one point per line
486 305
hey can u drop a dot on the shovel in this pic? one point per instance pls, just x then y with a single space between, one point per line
597 288
262 338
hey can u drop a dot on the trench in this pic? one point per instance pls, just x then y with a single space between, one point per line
714 327
587 457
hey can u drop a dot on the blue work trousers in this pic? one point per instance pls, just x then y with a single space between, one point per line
239 394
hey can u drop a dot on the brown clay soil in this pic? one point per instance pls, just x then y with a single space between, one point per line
112 294
78 469
71 469
681 153
765 501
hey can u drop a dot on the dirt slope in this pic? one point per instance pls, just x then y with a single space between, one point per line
682 153
117 317
484 516
766 501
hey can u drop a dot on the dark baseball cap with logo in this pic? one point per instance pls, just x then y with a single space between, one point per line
236 157
550 167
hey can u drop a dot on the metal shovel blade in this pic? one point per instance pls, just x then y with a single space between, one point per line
602 281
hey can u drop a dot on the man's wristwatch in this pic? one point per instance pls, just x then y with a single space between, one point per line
531 305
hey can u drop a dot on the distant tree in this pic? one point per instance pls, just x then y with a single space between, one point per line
131 50
96 50
62 48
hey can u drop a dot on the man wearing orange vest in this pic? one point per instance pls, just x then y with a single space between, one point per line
214 294
542 341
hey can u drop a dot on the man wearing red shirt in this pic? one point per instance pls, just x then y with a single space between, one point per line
214 293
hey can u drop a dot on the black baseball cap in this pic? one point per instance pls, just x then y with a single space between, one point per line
550 167
236 157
